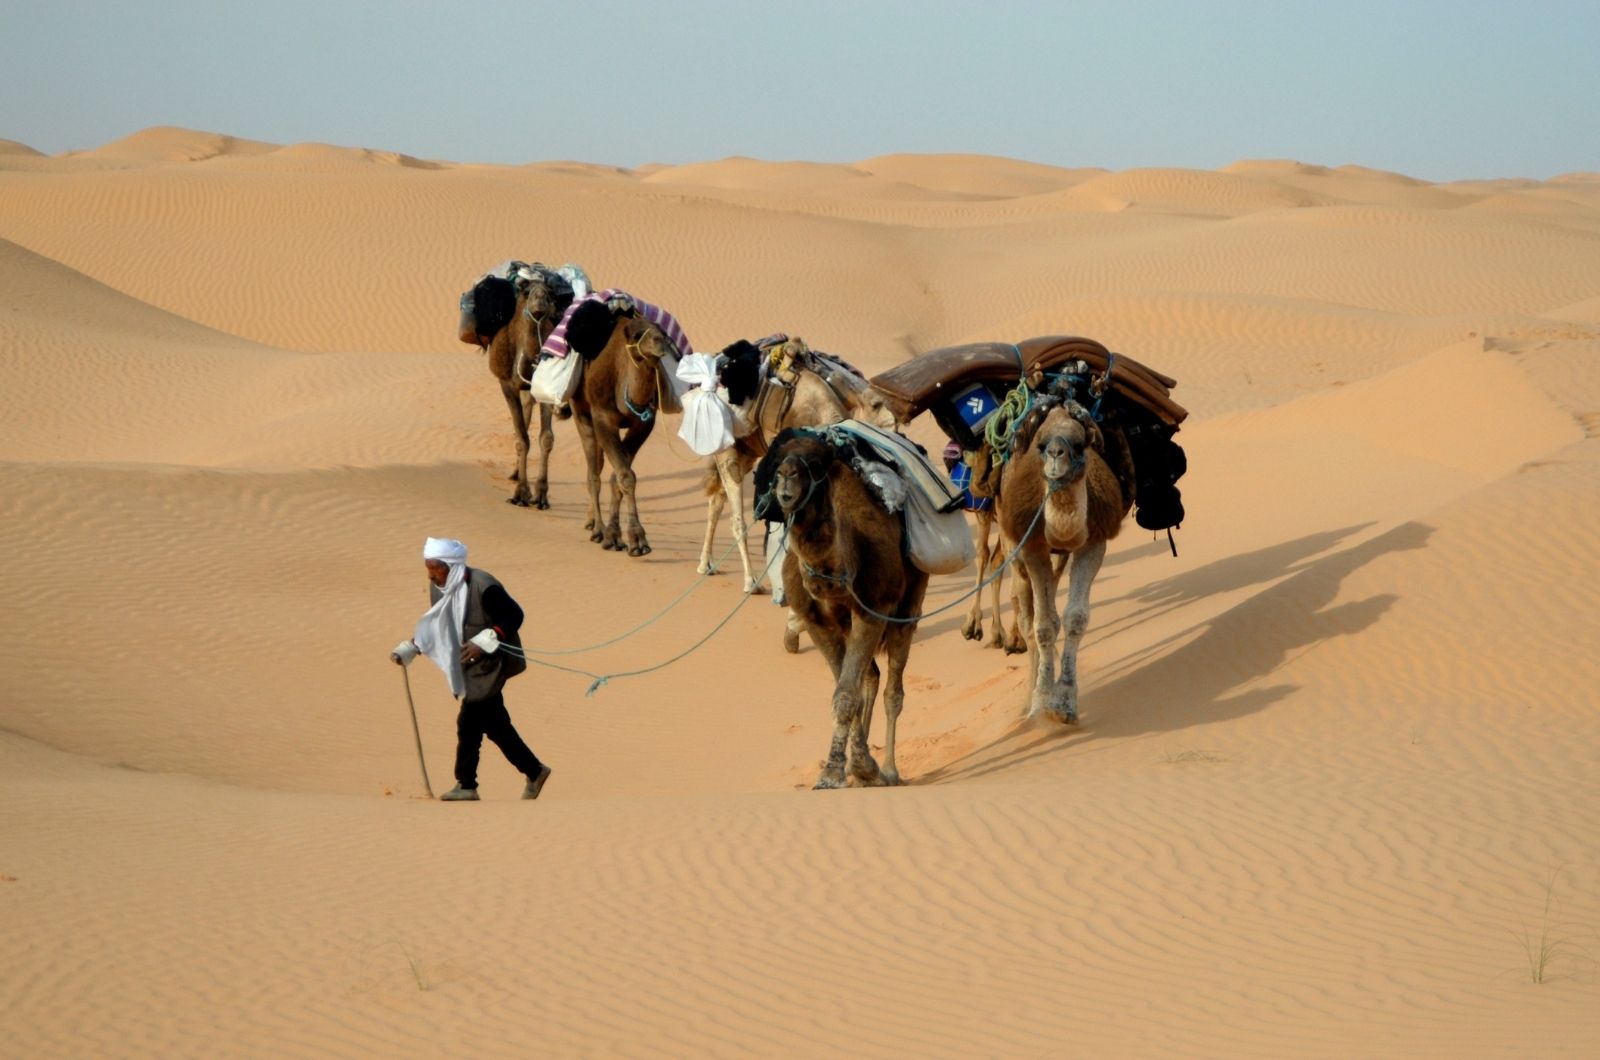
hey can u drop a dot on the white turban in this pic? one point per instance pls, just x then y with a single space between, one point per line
447 549
438 634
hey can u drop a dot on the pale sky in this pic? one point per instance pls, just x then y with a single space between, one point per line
1439 91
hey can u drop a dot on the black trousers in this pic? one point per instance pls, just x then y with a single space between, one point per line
488 717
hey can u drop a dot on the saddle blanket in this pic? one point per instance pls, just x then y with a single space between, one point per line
902 454
556 344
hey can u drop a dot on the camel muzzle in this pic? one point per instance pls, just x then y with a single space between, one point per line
1063 464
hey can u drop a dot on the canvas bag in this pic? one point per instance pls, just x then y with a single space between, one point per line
555 379
939 542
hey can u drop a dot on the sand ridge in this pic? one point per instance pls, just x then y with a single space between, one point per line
1335 757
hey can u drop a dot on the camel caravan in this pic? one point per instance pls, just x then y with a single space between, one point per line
1053 441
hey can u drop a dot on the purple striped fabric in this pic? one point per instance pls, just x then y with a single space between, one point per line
556 344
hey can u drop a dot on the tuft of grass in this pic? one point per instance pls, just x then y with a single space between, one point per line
422 980
1550 940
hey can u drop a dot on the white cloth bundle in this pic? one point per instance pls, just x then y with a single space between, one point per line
555 379
707 420
438 634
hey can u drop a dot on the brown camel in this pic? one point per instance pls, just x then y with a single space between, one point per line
846 560
1080 475
615 407
820 391
497 315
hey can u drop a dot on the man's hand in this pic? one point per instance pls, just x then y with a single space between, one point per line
470 653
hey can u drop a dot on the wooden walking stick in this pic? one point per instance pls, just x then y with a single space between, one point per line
405 675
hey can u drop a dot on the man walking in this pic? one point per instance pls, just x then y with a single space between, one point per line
470 632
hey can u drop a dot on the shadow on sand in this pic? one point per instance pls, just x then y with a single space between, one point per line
1193 676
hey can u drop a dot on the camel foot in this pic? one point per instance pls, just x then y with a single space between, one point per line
832 777
754 588
706 567
972 629
639 550
542 502
864 773
1059 705
598 538
891 777
791 641
519 500
611 540
1015 645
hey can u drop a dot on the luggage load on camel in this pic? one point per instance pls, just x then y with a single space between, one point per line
585 327
979 392
899 473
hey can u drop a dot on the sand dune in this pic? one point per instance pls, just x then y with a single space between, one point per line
1337 757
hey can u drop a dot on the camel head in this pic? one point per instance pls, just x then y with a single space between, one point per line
644 340
1063 442
872 408
793 474
485 309
542 297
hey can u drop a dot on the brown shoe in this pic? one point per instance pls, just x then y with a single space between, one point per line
536 784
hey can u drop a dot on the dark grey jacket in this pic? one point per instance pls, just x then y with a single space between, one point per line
489 605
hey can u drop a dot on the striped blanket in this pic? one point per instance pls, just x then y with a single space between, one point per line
556 344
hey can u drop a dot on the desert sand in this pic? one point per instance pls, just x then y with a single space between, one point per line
1339 760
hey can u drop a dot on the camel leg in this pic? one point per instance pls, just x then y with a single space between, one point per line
859 644
1041 625
792 628
595 460
777 548
862 770
638 543
613 534
519 424
830 641
1015 643
622 450
714 505
972 628
733 485
1085 565
898 643
547 442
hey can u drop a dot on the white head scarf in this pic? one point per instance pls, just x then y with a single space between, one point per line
438 634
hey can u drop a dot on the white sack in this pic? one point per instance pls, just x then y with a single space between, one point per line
707 424
555 379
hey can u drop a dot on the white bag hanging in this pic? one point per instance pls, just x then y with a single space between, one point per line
555 379
940 542
707 424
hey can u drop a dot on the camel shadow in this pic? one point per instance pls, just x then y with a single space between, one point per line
1194 676
1224 575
